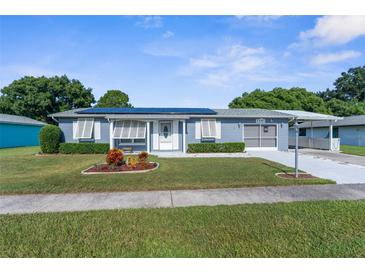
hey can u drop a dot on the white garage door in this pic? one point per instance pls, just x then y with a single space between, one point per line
260 136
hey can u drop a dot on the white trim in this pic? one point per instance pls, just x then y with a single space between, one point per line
198 129
74 129
175 134
97 131
184 136
218 128
148 137
155 136
111 140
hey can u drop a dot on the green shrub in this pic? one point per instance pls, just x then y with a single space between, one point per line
84 148
50 138
216 147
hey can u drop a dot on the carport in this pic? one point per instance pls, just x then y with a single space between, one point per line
300 116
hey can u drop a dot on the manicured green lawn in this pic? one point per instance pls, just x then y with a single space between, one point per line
61 173
301 229
354 150
19 151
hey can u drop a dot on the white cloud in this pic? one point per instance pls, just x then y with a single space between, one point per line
150 22
227 65
322 59
334 30
258 19
168 34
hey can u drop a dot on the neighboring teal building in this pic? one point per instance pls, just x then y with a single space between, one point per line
19 131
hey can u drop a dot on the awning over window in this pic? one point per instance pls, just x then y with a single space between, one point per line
84 128
209 129
129 130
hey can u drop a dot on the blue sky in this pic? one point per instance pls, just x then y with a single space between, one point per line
191 61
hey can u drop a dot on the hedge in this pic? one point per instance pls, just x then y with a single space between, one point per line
216 147
84 148
50 138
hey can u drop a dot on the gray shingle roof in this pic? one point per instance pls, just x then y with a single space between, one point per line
231 112
347 121
250 112
15 119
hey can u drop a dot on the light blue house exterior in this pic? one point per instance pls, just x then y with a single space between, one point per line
173 129
18 131
350 130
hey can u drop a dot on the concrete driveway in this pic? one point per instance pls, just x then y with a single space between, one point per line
344 169
335 156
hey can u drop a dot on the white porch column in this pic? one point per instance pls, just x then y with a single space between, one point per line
331 135
148 137
296 126
184 136
111 140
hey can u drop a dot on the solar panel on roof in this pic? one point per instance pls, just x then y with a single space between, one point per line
147 111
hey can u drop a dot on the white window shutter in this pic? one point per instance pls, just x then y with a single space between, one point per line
155 139
97 132
197 130
218 130
74 129
175 134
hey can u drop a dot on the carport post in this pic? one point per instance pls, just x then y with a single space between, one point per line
296 126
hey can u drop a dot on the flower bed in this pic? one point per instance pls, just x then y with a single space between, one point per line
109 169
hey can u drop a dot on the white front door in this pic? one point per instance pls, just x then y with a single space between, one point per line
165 134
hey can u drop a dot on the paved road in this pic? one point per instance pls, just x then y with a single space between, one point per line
16 204
335 168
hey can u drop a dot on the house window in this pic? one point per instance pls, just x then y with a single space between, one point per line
130 132
302 132
335 132
208 128
84 128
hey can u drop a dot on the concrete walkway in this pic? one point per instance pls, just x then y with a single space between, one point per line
16 204
328 168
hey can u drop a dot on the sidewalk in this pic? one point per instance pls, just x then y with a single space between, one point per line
16 204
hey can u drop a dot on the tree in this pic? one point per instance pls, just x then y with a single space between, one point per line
36 97
114 98
350 86
342 108
280 98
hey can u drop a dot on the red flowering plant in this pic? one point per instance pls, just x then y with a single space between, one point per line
115 157
143 159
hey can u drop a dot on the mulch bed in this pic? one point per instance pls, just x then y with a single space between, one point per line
105 168
292 176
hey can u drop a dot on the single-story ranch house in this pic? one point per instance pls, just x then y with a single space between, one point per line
350 130
173 129
18 131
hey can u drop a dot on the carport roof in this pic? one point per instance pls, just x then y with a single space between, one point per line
302 115
356 120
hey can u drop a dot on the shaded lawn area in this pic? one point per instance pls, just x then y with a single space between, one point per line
353 150
300 229
17 151
61 173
